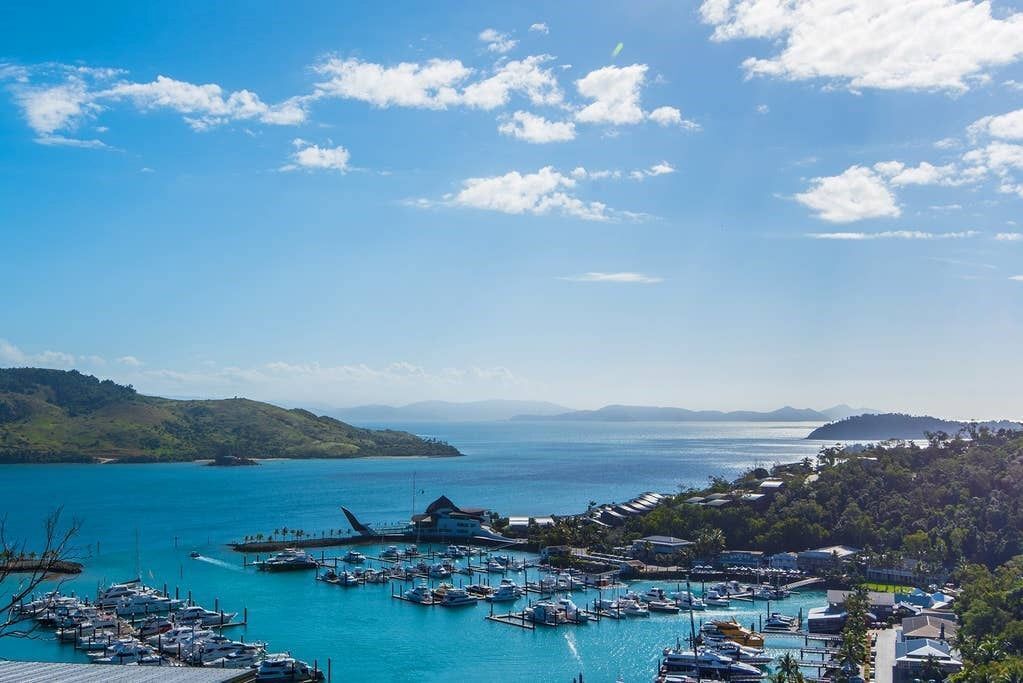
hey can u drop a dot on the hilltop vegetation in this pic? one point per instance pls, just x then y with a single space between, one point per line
57 415
953 500
894 426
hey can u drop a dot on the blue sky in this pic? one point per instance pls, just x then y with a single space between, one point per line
339 205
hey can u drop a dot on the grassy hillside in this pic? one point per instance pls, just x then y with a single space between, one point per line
56 415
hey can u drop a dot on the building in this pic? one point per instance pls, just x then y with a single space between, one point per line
829 557
880 604
22 672
740 558
659 545
928 626
444 520
786 561
913 657
771 486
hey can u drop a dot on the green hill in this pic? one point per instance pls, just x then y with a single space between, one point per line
65 416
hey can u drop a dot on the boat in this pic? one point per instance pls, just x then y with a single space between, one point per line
200 616
354 557
687 601
633 608
706 663
544 612
714 599
733 631
289 559
390 553
508 591
144 603
421 593
740 653
780 621
572 611
284 667
329 576
454 551
654 594
456 597
665 606
439 571
411 551
154 626
348 579
194 555
495 567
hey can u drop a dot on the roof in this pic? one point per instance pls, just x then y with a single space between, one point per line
772 484
842 551
921 649
876 598
665 540
693 500
543 521
743 552
717 502
46 672
928 626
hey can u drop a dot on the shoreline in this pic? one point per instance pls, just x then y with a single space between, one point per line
101 460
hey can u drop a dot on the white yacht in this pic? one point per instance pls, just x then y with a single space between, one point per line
714 599
348 579
440 571
741 653
354 557
456 597
508 591
780 621
284 667
705 663
634 608
421 593
654 593
200 616
687 601
572 611
288 560
391 553
144 603
544 612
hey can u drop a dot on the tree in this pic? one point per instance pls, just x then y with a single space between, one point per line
21 572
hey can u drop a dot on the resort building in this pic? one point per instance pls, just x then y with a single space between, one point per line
914 656
446 520
659 545
928 627
740 558
786 561
825 558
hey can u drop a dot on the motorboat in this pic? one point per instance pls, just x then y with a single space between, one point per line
572 611
411 551
454 551
284 667
421 593
665 606
289 559
439 571
201 616
733 631
687 601
145 603
495 567
153 626
544 612
714 599
390 553
654 594
779 620
178 638
194 555
706 663
329 576
348 579
456 597
633 608
354 557
741 653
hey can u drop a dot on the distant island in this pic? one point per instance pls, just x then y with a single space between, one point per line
67 416
621 413
895 426
447 411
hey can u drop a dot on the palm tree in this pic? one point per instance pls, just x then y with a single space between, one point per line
788 668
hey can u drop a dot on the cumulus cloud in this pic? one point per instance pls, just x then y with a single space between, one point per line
1017 278
887 44
855 194
1005 126
438 83
310 156
925 173
671 116
892 235
11 355
539 27
627 278
536 129
497 41
1009 237
130 361
615 92
662 168
543 192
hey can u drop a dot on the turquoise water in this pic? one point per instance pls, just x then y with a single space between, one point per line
514 468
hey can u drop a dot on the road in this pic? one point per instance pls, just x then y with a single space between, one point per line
885 658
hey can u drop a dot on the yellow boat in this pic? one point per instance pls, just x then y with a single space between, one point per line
734 632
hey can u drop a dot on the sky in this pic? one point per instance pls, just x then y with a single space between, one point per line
728 204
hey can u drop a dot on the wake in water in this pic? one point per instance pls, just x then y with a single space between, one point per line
570 639
219 563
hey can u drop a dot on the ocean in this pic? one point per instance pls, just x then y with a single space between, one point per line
514 468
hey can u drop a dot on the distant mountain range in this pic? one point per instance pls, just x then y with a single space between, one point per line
619 413
895 426
445 411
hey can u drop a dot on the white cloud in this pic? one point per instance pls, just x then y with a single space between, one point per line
630 278
130 361
11 355
763 109
616 94
947 143
311 156
60 107
946 207
892 235
63 141
1009 237
856 194
661 169
888 44
539 27
899 174
533 128
527 77
998 157
497 41
671 116
546 191
431 85
1017 278
1006 126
